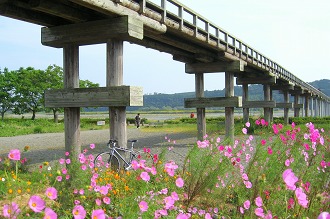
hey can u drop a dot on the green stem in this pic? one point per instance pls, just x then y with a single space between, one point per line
16 171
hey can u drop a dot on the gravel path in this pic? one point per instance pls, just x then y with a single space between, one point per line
50 146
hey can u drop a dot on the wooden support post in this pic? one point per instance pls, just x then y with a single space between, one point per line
286 110
71 114
115 78
201 120
267 98
229 111
245 97
296 102
271 110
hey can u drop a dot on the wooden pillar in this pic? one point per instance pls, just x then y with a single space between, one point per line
201 120
306 106
267 98
229 111
71 114
296 102
245 97
115 78
271 110
286 110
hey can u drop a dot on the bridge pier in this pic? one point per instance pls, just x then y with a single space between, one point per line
245 97
114 77
306 106
229 111
267 95
201 119
71 114
286 110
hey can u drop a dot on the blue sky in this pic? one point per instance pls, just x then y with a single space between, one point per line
294 33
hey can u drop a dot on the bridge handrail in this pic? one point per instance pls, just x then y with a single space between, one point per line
222 37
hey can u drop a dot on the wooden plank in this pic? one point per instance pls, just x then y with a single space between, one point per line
204 102
284 105
92 32
212 67
259 104
255 80
94 97
298 106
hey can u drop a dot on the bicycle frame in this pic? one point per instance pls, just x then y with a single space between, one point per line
116 151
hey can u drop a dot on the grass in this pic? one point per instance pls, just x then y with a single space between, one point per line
240 180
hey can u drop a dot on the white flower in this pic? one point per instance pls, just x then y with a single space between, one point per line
49 168
3 179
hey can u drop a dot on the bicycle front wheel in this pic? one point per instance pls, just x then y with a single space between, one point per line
104 161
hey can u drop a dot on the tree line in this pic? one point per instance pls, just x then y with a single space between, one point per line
22 91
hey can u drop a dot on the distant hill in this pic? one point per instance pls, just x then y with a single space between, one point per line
176 101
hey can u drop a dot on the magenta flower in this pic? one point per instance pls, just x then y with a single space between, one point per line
50 214
145 176
104 190
11 211
106 200
183 216
169 202
258 201
259 212
14 154
143 206
263 142
51 193
290 179
179 182
269 150
36 203
92 146
79 212
247 204
98 214
324 215
302 197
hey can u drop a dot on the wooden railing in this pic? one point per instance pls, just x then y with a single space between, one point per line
179 13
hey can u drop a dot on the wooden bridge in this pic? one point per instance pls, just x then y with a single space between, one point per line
192 39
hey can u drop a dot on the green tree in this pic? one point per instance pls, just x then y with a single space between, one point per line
29 91
6 92
54 80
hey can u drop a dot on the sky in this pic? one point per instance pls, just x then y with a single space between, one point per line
293 33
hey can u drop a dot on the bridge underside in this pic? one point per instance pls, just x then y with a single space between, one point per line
69 24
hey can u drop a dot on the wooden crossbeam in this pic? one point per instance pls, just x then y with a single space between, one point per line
286 87
298 106
284 105
215 67
204 102
259 104
95 97
296 92
255 80
93 32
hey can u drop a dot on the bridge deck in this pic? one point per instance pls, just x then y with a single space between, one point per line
185 34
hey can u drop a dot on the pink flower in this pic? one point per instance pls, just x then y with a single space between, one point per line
11 211
290 179
302 197
247 124
14 154
259 212
92 146
170 167
50 214
106 200
143 206
244 130
145 176
258 201
79 212
61 161
98 214
324 215
183 216
245 176
258 122
36 203
169 202
263 142
269 150
59 178
51 193
287 162
104 190
179 182
247 204
68 161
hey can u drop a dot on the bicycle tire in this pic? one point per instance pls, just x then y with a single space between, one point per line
103 162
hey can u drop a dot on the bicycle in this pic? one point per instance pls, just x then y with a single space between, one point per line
114 158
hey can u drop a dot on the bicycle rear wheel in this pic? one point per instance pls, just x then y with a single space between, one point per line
104 161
